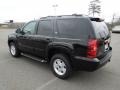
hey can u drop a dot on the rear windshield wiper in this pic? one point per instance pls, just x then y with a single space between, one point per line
96 19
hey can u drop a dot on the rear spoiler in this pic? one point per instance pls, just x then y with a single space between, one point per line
96 19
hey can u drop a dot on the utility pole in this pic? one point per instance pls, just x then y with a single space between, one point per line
55 6
113 18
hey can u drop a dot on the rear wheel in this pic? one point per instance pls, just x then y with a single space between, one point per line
61 66
14 50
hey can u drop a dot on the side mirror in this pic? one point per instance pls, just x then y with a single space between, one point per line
18 30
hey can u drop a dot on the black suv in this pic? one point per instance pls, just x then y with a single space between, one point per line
68 42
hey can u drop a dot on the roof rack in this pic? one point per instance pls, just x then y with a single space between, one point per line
49 17
63 15
77 14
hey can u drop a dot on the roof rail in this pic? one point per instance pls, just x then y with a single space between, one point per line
77 14
62 15
47 17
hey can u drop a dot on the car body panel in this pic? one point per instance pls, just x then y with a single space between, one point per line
76 46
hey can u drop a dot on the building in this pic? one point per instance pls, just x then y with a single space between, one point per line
11 25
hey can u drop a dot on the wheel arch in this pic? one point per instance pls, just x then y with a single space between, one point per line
9 41
52 50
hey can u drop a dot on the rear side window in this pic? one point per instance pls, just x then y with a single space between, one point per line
101 29
73 28
45 28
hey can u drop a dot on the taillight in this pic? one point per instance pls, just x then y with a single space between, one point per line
92 48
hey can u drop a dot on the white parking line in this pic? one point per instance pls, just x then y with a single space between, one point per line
46 84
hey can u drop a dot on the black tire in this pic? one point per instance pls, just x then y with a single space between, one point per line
17 52
65 59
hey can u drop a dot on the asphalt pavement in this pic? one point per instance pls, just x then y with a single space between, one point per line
26 74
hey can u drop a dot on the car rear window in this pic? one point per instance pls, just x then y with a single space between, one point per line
101 29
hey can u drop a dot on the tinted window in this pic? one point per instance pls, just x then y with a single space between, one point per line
29 28
101 29
45 28
73 28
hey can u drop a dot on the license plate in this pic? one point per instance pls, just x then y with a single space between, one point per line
106 46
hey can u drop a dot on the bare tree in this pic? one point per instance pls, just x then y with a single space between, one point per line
115 20
94 7
112 22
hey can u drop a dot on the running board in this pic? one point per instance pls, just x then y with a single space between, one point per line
33 57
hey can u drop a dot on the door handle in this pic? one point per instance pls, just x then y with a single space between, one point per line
23 37
48 39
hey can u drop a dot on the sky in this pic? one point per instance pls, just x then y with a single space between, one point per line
25 10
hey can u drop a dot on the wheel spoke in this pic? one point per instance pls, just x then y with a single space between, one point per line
64 70
12 49
59 67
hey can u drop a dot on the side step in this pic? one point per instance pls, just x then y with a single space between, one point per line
33 57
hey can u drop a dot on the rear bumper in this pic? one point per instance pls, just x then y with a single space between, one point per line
82 63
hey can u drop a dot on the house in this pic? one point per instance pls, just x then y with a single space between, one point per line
3 25
11 25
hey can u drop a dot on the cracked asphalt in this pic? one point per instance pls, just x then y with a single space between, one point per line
26 74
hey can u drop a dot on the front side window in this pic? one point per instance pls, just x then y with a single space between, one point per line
29 28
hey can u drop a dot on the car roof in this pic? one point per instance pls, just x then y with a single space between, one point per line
73 16
65 16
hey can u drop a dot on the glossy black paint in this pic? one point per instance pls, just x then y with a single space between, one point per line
44 45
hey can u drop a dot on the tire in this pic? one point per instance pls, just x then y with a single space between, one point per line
60 66
14 50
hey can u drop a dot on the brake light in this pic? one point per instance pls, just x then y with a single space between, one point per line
92 48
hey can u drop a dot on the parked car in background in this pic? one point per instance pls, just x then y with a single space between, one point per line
116 29
67 43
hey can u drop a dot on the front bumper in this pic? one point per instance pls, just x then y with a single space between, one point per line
87 64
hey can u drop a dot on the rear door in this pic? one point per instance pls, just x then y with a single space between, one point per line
103 35
43 37
75 32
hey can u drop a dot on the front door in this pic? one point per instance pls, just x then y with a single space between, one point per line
26 36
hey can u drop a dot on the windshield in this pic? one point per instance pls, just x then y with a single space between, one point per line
101 29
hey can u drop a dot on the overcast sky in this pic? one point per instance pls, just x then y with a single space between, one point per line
25 10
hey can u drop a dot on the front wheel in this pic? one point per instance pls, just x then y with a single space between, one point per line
14 50
60 66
